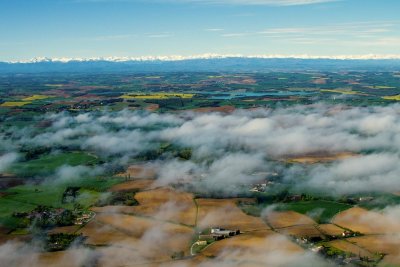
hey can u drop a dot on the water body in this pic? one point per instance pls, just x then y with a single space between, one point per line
229 96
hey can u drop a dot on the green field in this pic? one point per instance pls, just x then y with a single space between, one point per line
320 210
26 197
49 163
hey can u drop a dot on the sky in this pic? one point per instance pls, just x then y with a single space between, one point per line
138 28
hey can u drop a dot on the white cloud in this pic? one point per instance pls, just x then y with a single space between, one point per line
265 2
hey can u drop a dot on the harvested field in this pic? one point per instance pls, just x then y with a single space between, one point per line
319 157
69 258
287 219
349 247
155 240
301 231
167 204
223 109
134 185
387 244
366 222
102 234
140 171
225 213
250 250
390 261
331 229
137 227
142 240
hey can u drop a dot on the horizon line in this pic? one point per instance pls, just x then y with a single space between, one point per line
202 56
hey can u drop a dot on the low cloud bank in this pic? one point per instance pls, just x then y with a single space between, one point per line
229 150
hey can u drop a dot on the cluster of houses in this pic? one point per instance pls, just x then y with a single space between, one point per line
261 187
84 218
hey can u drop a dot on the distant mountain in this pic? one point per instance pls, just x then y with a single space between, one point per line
218 64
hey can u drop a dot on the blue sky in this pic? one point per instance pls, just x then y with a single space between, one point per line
134 28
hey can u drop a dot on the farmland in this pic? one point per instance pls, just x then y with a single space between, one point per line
209 169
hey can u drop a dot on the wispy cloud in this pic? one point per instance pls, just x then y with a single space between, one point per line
263 2
369 33
229 2
214 30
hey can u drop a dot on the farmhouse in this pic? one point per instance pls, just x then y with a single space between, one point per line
221 233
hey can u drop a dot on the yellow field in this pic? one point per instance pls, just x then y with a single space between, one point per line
318 158
349 247
366 222
54 85
384 87
15 103
35 97
157 96
288 218
340 91
225 213
394 97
